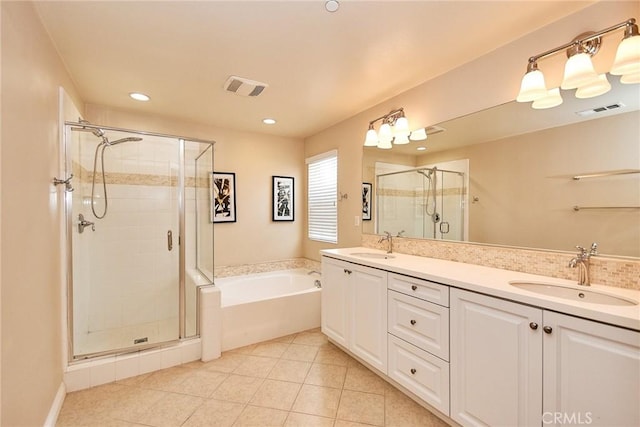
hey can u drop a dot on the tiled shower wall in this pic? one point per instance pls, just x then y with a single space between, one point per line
619 272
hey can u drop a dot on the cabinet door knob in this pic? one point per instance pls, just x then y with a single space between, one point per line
547 329
414 287
347 271
413 371
533 325
413 322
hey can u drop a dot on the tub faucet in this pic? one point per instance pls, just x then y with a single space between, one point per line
389 238
582 261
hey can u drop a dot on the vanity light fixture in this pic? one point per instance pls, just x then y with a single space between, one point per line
394 130
139 96
579 72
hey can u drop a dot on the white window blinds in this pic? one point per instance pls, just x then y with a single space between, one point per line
322 193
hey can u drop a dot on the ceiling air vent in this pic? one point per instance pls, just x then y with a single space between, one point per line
600 109
244 87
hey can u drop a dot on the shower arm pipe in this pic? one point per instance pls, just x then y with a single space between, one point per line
85 126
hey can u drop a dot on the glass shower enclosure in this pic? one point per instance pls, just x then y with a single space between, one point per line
138 228
422 202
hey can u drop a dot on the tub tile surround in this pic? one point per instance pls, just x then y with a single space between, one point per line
264 267
616 272
223 392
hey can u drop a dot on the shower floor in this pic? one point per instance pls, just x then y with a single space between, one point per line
119 338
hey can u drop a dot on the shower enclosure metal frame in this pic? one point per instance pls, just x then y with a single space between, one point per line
69 221
421 170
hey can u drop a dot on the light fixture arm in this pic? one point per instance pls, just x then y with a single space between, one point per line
390 117
629 23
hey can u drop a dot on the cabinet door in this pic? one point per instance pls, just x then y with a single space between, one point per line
335 300
591 373
496 361
368 332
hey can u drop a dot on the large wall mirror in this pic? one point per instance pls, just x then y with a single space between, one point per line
515 176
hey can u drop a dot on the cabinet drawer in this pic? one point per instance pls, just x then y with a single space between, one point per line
419 322
423 289
420 372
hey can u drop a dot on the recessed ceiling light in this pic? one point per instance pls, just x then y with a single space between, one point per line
421 148
331 5
269 121
139 96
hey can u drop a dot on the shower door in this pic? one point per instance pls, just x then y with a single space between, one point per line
125 227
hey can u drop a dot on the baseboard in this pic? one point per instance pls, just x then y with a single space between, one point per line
56 406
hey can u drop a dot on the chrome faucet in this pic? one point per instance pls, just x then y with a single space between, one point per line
582 261
389 238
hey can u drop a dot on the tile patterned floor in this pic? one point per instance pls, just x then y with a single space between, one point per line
297 380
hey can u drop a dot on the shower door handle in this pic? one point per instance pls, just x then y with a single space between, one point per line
169 240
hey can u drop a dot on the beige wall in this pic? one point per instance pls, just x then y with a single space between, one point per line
32 361
467 89
254 158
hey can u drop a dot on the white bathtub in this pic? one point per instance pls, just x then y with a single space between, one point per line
263 306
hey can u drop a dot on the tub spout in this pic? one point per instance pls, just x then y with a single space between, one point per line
314 272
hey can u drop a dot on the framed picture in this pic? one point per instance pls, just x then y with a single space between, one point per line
283 198
223 197
366 201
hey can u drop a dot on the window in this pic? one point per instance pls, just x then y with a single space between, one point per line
322 193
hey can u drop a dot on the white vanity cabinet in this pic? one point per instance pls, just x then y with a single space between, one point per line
513 364
354 309
418 324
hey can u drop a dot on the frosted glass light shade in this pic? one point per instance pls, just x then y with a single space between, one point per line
371 140
401 139
418 135
627 59
401 127
578 71
385 145
630 78
385 134
596 88
532 87
552 99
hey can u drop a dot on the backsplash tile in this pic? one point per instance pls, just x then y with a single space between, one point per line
287 264
622 273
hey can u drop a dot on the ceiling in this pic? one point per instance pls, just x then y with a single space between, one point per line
321 67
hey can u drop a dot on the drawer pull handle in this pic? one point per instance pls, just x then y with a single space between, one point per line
547 329
413 371
533 325
414 288
413 322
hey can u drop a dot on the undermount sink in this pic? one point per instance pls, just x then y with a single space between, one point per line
583 295
373 255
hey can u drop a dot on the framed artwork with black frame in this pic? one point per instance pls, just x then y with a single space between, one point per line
223 197
366 201
283 198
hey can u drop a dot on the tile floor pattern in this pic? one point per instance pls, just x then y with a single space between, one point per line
297 380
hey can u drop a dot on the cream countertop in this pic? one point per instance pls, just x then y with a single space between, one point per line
495 282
